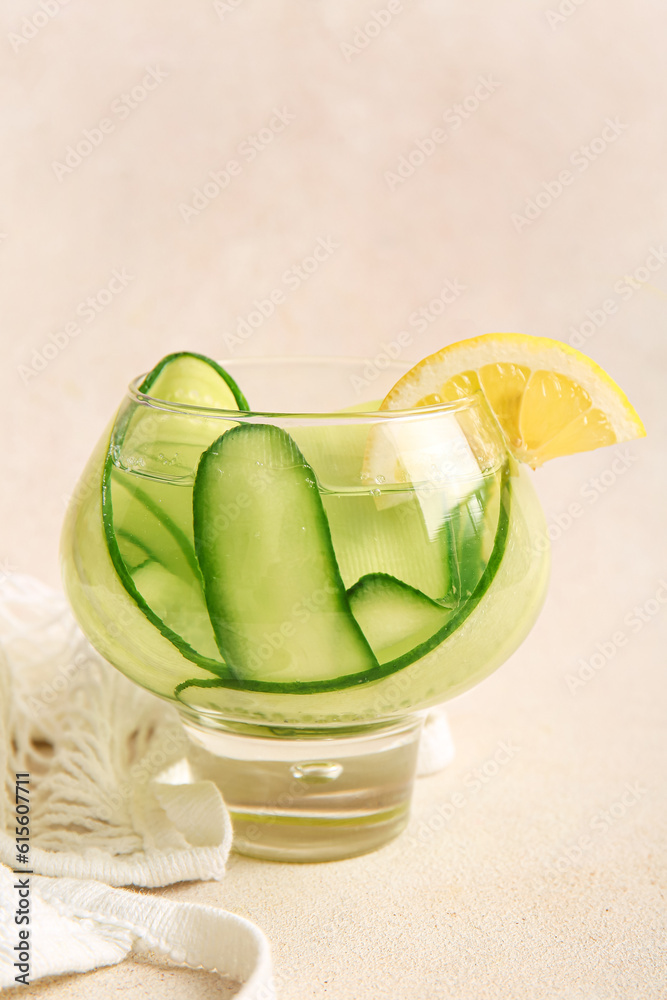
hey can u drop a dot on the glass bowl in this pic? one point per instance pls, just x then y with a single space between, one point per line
302 580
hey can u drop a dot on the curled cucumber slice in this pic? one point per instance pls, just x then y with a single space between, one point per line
146 500
394 616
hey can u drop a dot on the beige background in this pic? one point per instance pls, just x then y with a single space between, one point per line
476 906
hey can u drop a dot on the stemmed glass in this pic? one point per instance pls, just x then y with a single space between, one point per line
302 580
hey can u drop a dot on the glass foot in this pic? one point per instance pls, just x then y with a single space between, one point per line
319 796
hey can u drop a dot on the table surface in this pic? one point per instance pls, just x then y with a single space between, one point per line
517 153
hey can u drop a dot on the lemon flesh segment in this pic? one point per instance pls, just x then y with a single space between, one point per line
504 384
550 403
461 385
590 430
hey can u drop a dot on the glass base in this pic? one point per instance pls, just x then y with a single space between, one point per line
320 796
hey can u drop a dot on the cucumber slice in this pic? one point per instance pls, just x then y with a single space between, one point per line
465 609
392 539
401 529
179 604
138 511
124 574
106 603
275 596
164 443
467 537
193 379
393 616
135 553
146 502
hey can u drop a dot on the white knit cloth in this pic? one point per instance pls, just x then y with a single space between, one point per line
111 803
77 925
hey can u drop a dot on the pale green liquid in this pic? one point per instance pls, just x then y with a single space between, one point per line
360 526
424 537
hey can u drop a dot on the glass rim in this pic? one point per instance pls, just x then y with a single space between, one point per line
191 409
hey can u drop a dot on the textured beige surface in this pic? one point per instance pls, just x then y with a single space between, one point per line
548 880
142 976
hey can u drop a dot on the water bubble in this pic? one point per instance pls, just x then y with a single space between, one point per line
380 479
376 493
317 771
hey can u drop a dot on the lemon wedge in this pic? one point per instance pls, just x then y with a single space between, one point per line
548 398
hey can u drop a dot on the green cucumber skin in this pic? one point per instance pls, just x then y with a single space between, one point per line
478 593
179 602
128 583
464 543
180 539
129 540
390 610
371 579
155 372
126 411
391 666
284 567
